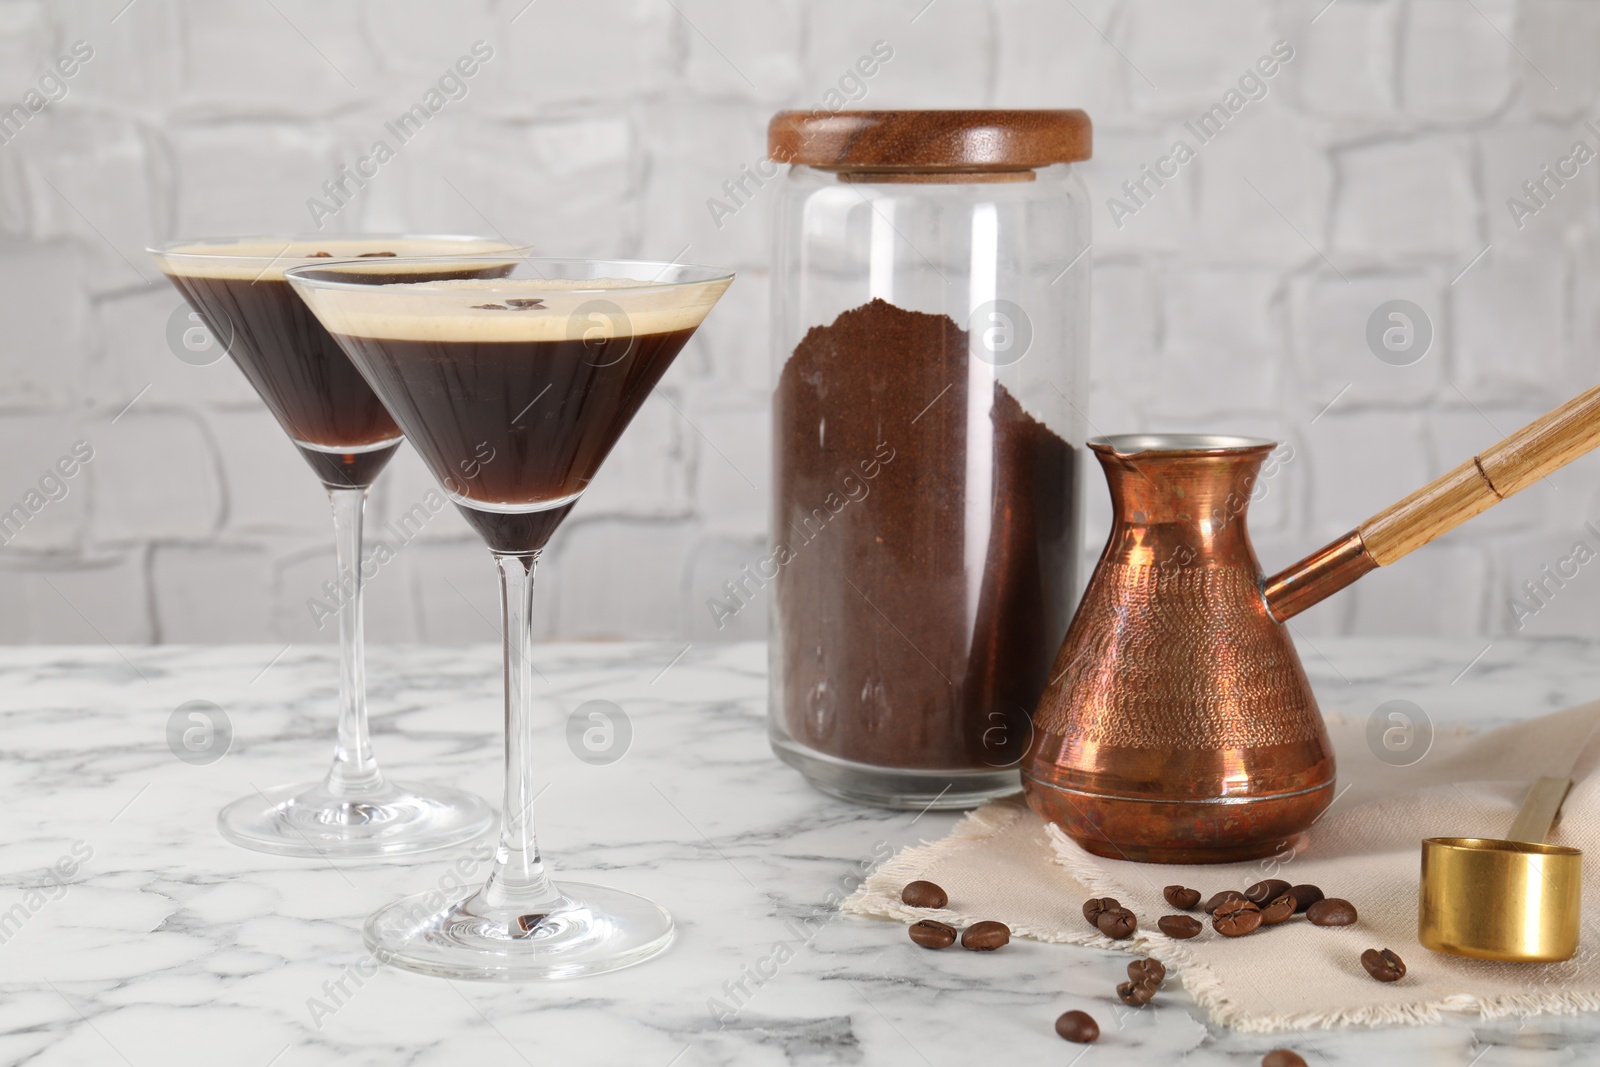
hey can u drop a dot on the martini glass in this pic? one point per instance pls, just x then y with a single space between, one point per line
342 430
533 377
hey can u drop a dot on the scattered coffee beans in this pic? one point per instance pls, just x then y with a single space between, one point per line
1147 970
1181 897
1222 898
1383 965
1136 994
1078 1026
920 894
1181 927
1095 905
1305 895
1281 909
1117 923
1331 911
1267 890
931 934
1235 918
1282 1057
985 936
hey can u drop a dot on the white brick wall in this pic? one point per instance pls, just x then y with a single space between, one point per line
1376 168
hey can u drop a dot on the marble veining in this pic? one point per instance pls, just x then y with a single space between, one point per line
130 932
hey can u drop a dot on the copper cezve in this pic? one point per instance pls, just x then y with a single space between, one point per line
1179 726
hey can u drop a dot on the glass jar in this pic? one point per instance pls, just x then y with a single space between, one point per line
930 318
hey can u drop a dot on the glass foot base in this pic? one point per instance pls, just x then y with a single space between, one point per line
396 820
589 930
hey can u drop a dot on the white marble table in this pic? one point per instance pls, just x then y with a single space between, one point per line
170 946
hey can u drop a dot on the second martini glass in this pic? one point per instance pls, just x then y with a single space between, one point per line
343 431
541 369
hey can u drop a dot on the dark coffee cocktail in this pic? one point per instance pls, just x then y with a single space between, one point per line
341 428
311 387
514 390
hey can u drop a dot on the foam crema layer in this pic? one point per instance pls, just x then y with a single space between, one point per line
520 309
266 258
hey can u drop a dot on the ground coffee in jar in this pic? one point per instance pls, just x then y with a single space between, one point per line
930 306
890 658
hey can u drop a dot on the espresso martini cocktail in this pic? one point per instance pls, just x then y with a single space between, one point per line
318 397
542 384
514 390
341 428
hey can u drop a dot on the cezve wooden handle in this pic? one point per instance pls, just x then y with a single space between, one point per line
1544 445
1440 506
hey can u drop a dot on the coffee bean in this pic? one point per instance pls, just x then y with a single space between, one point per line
1235 918
1138 994
1266 890
1331 911
1280 910
1222 898
1078 1026
1305 895
1095 905
369 255
1147 970
920 894
1117 923
1383 965
1282 1057
931 934
1181 897
985 936
1181 927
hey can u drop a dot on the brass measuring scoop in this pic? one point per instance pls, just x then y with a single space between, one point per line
1516 899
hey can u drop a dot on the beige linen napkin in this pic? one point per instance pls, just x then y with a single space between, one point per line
1002 862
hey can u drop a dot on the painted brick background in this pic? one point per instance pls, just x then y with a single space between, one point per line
1377 166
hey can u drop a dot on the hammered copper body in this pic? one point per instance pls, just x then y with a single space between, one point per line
1178 725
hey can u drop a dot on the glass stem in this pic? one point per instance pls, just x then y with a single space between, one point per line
355 772
518 881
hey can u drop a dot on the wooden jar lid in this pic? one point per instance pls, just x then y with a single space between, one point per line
929 140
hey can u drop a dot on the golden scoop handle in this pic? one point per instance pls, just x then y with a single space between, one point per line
1544 445
1539 810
